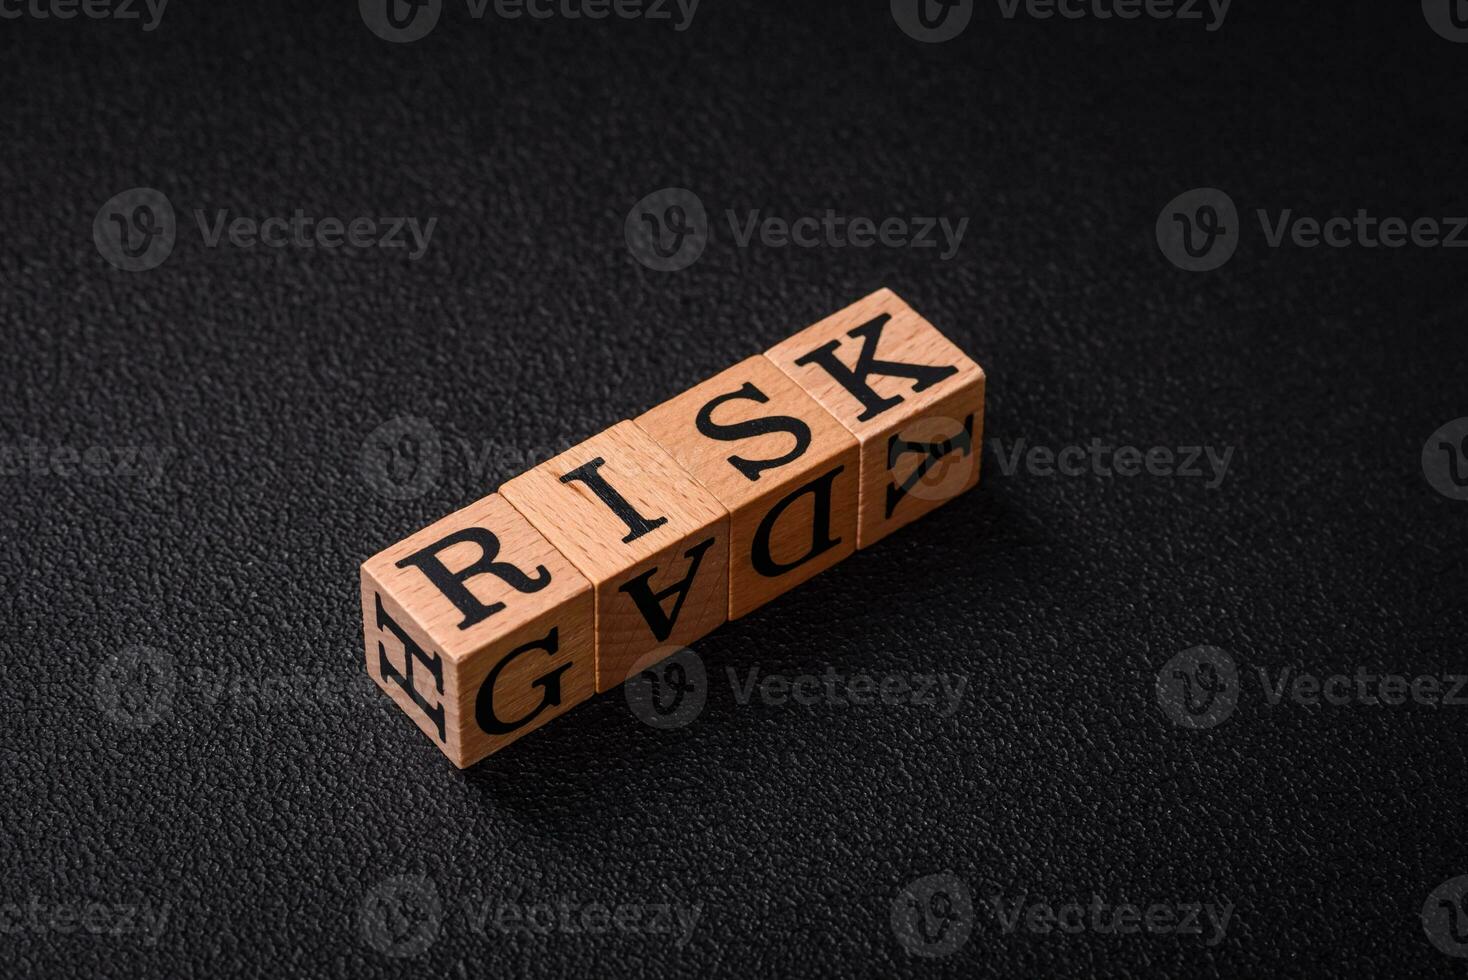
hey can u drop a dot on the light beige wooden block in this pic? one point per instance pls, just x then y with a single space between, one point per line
479 629
782 466
912 399
652 541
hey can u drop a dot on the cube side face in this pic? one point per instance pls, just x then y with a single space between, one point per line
652 541
911 398
478 629
787 537
530 677
920 463
403 661
635 610
784 468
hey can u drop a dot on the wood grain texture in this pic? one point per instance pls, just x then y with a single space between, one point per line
523 623
775 477
657 554
912 399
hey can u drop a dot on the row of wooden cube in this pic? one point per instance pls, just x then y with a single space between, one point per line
640 540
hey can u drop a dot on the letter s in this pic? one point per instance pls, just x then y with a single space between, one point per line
752 468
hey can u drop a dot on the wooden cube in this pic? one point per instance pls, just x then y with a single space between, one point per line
912 399
479 629
782 466
652 541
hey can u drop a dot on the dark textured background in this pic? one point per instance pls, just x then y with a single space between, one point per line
264 822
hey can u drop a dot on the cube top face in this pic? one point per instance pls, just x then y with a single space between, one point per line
475 576
875 363
786 470
613 501
727 432
653 542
